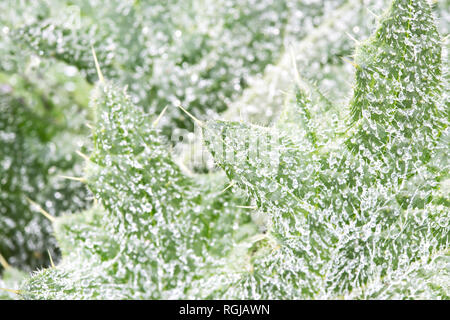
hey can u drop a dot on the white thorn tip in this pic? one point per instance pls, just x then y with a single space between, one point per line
10 290
51 259
4 263
349 61
83 180
155 123
184 168
97 66
228 187
373 13
85 157
200 123
351 37
247 207
42 211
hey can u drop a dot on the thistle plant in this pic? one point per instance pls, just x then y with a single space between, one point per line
144 196
44 44
354 208
355 214
194 53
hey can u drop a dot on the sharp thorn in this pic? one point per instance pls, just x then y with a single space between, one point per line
83 180
4 263
51 259
200 123
247 207
155 123
373 13
42 211
85 157
184 168
99 72
228 187
285 92
351 62
351 37
11 290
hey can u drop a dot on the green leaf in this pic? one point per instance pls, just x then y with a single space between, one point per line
396 109
359 216
157 230
356 214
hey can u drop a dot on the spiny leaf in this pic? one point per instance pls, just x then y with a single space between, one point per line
341 222
398 86
157 230
356 229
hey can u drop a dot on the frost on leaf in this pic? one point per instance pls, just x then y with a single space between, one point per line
156 230
197 53
369 211
356 210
